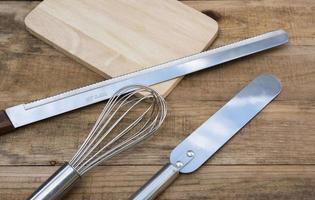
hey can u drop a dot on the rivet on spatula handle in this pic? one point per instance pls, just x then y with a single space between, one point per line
5 123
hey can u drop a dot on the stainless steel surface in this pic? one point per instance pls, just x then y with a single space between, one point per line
226 122
191 153
120 126
57 184
28 113
114 132
157 183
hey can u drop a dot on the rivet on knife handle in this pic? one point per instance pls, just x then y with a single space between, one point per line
206 140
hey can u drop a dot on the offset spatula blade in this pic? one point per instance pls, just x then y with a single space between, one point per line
199 146
226 122
24 114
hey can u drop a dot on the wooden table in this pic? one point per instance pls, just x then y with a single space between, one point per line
271 158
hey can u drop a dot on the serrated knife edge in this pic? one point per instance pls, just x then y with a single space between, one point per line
24 114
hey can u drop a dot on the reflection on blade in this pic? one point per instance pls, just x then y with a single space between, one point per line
28 113
220 127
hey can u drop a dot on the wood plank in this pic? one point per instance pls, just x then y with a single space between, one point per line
240 18
114 38
294 67
210 182
281 134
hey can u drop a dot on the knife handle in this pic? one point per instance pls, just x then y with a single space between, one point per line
5 123
158 183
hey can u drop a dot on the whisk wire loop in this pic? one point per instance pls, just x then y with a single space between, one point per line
108 131
105 140
98 128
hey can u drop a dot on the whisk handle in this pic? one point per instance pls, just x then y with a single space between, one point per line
158 183
57 185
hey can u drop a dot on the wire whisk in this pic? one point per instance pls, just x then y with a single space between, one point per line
120 126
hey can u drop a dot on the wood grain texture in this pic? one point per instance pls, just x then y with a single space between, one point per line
271 158
214 182
114 38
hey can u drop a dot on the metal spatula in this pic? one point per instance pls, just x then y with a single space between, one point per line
199 146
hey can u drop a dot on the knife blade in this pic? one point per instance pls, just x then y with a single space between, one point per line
206 140
25 114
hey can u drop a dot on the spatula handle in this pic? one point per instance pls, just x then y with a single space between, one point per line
159 182
5 123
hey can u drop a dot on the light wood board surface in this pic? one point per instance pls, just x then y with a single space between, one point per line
271 158
116 37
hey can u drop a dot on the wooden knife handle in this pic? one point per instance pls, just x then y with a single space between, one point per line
5 123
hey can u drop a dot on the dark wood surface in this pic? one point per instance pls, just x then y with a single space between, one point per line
271 158
5 124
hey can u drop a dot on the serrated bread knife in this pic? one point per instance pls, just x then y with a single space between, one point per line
24 114
206 140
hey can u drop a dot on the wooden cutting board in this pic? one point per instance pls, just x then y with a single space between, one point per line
115 37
